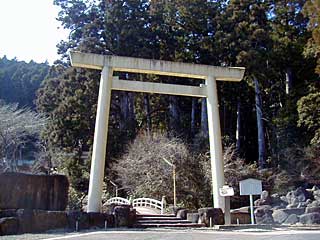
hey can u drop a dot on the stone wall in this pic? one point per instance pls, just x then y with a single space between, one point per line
26 191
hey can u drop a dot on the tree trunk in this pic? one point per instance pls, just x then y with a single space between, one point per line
204 117
261 140
174 115
193 117
127 122
238 131
288 80
146 102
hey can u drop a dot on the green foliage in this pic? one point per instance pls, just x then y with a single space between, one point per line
309 115
312 10
19 81
267 37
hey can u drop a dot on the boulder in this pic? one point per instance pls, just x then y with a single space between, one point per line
26 191
315 203
265 199
124 215
31 221
263 215
279 216
310 218
297 211
215 214
296 196
80 217
182 213
9 226
8 213
292 219
193 217
174 210
240 217
98 220
316 195
312 209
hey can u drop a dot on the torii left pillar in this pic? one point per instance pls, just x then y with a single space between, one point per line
100 141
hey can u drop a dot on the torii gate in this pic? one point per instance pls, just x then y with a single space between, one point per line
108 64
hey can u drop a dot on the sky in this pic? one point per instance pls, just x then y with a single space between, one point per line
29 30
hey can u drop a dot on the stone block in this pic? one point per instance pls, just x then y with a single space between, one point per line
292 219
310 218
193 217
215 214
263 215
26 191
98 220
279 216
9 226
80 217
241 217
32 221
122 216
8 213
182 213
312 209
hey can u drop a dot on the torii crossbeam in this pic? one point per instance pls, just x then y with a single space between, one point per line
108 64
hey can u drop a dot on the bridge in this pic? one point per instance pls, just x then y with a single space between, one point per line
142 205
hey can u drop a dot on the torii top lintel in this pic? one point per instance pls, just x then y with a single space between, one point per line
159 67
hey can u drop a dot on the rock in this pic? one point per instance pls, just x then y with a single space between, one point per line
292 219
240 217
8 213
310 218
265 199
316 195
279 216
312 209
263 215
9 226
302 205
297 211
124 216
182 213
31 221
314 204
277 201
193 217
284 199
175 210
80 217
296 196
97 220
289 206
26 191
215 214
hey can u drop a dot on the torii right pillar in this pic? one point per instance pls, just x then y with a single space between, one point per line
217 165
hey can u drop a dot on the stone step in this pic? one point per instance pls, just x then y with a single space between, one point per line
168 225
156 215
167 221
158 218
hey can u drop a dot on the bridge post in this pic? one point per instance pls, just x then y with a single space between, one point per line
216 157
100 141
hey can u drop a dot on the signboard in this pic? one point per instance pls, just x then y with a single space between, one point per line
226 191
250 186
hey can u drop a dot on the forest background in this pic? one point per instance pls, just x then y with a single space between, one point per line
270 121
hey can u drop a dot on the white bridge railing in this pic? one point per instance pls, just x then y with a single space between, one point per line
118 200
140 202
149 202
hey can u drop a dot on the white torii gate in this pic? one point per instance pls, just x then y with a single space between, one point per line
108 64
